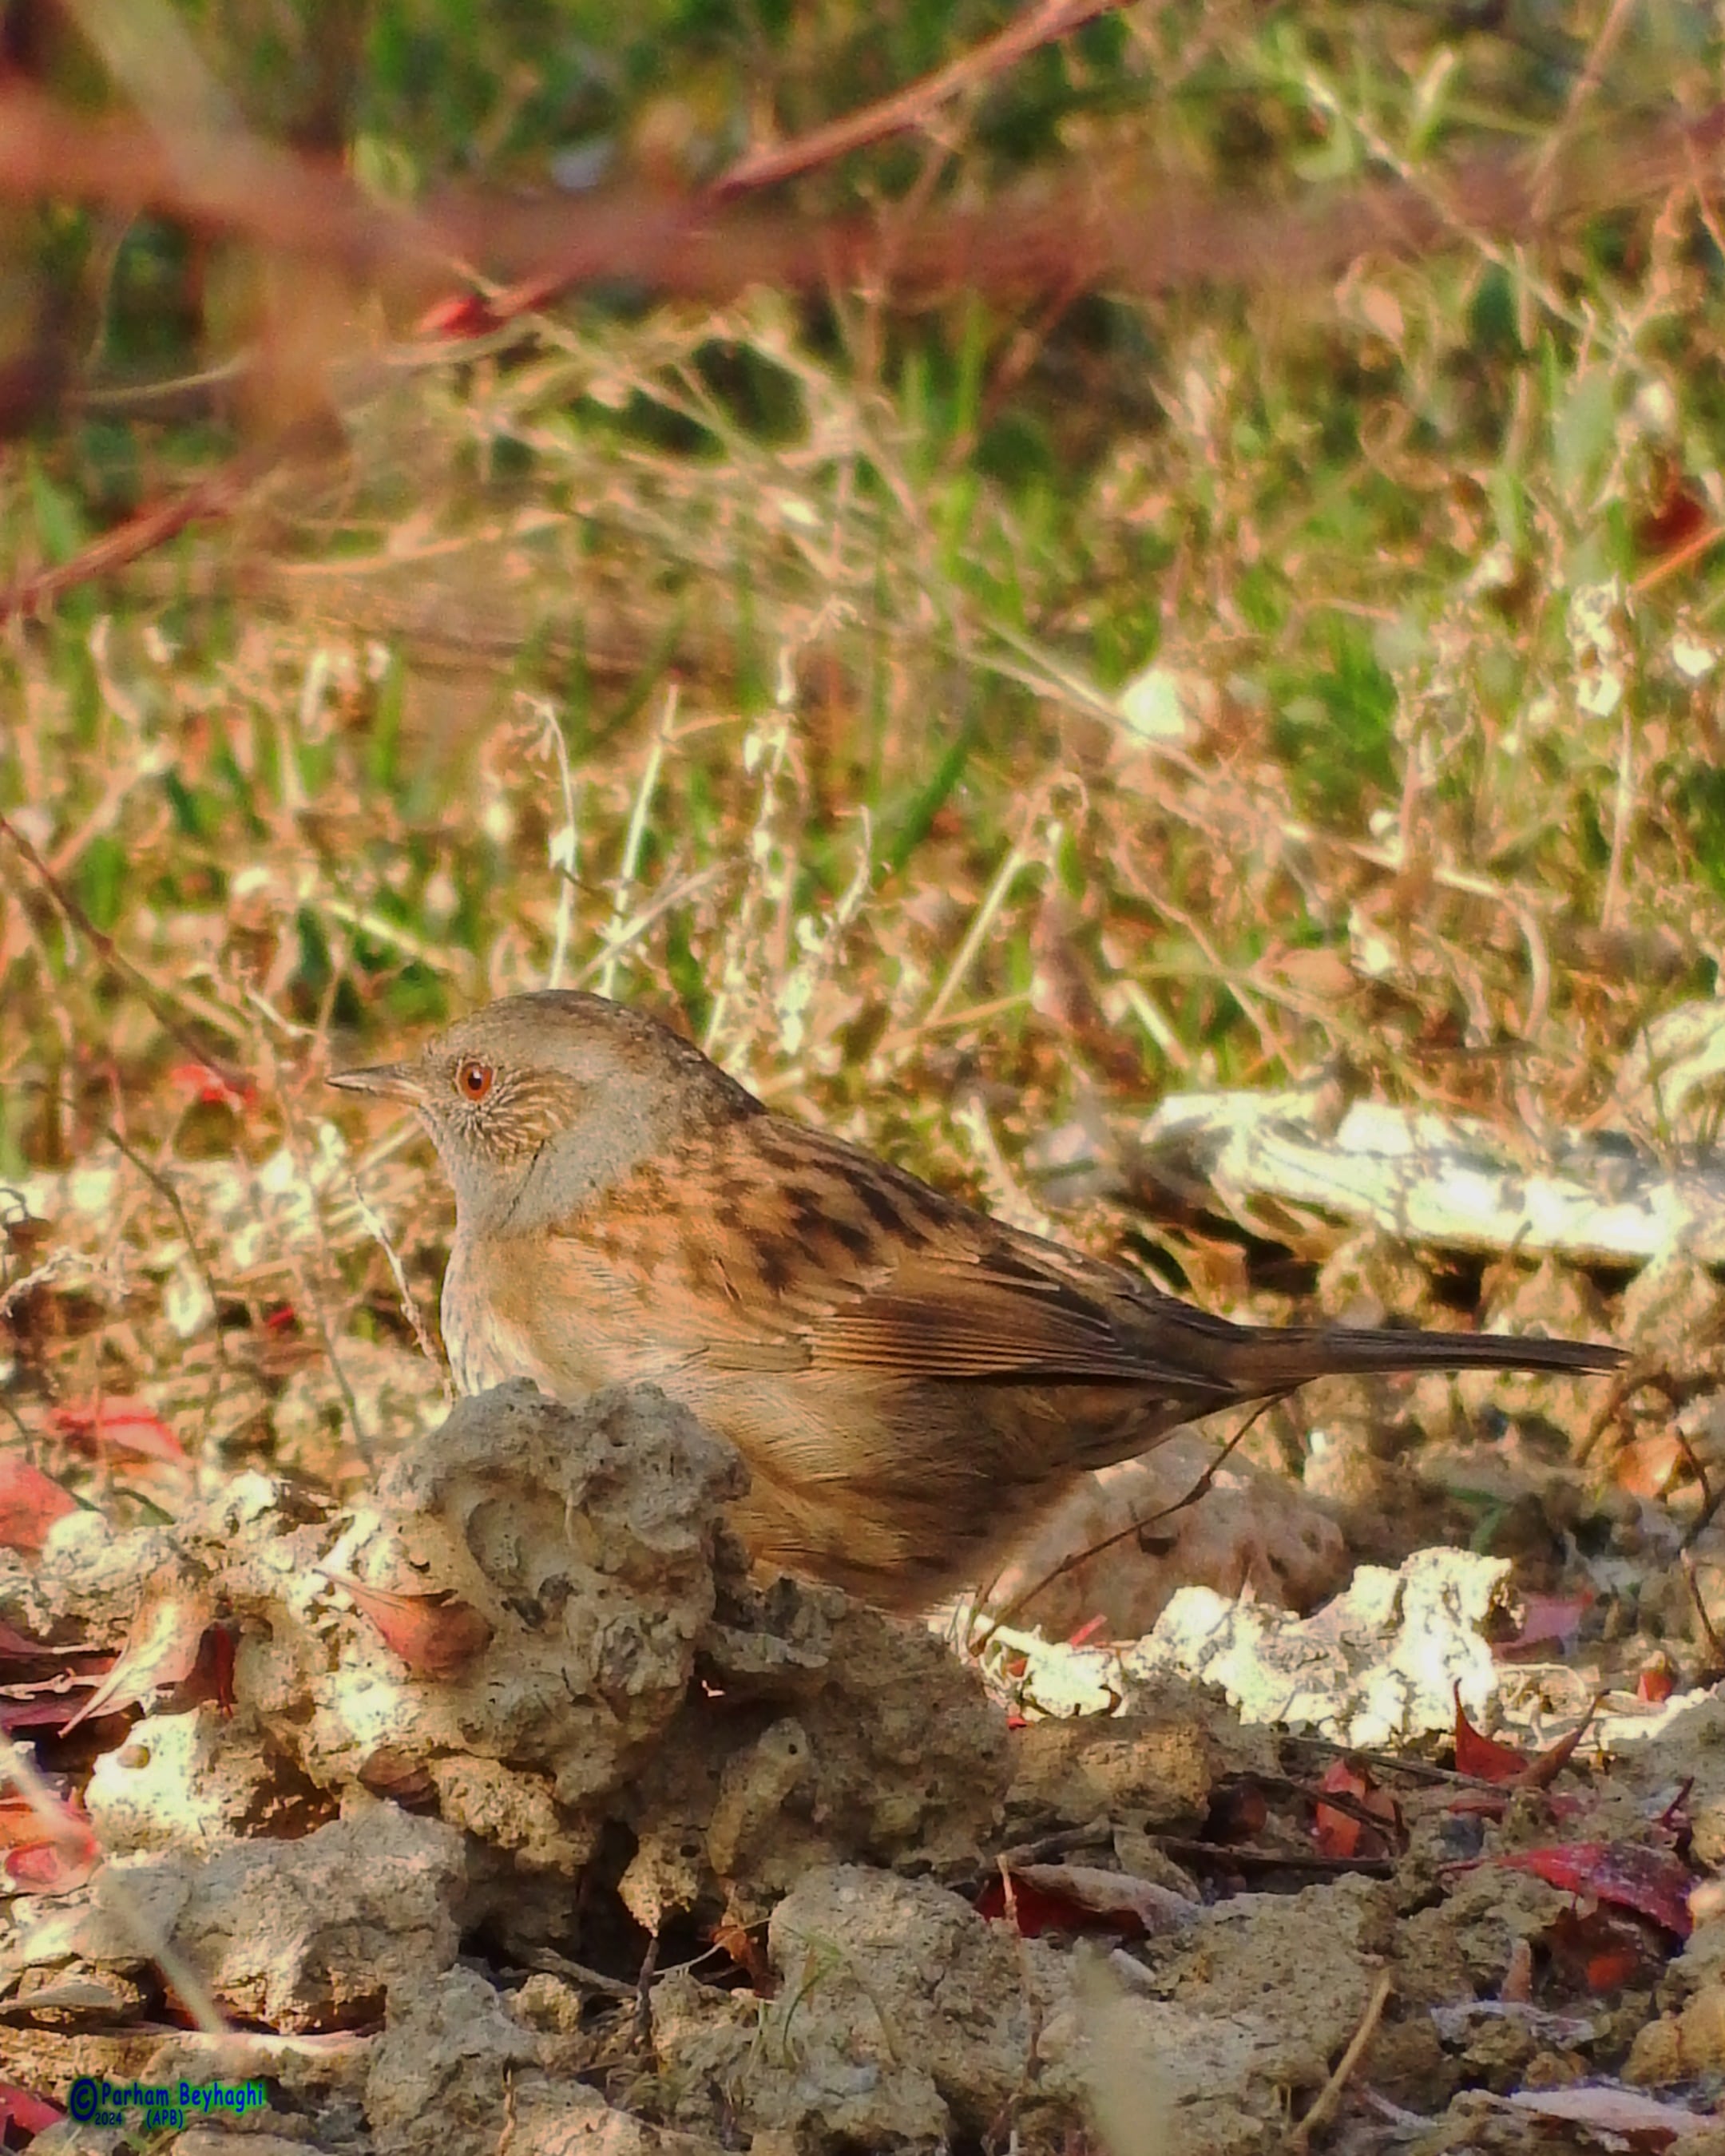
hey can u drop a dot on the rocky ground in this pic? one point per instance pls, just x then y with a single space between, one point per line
504 1809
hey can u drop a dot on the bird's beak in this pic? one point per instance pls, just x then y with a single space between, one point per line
390 1081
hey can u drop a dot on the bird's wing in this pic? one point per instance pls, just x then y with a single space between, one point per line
829 1260
978 1315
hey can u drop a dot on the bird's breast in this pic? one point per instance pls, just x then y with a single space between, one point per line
486 1341
533 1307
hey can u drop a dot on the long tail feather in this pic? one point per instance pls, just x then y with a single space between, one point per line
1277 1357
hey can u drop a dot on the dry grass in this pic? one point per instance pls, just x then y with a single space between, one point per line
965 726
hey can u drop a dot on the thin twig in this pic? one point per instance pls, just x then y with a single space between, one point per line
236 1080
1144 237
1028 2072
1244 1856
910 107
1200 1489
52 1266
165 1189
608 1987
564 844
216 495
409 1302
1716 1647
1329 2096
1582 90
633 840
308 1295
1390 1763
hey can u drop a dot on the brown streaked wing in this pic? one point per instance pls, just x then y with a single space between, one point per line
994 1317
808 1254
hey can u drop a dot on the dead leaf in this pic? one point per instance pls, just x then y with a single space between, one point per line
30 1502
436 1636
1611 2108
132 1425
1626 1874
1342 1834
1083 1898
162 1647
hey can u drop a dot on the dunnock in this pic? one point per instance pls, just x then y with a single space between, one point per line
909 1381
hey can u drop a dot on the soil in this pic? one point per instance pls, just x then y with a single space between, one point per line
516 1812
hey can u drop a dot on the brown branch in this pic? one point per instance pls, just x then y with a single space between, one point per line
909 107
1112 228
219 493
903 110
233 182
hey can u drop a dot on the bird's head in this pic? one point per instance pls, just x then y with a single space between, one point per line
538 1103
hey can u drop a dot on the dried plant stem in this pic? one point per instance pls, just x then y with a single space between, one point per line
1329 2096
629 867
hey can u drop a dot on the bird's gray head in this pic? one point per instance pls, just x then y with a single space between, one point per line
538 1103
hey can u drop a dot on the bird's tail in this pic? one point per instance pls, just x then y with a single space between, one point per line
1276 1358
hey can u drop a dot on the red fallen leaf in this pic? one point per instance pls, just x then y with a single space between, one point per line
46 1856
19 1821
161 1648
1626 1874
1480 1756
30 1502
460 315
436 1636
132 1424
1612 1968
1678 515
1082 1898
48 1868
210 1089
1656 1682
1087 1632
215 1664
1340 1834
23 2108
1594 1950
1030 1912
1547 1620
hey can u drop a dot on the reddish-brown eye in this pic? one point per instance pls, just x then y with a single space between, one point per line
473 1079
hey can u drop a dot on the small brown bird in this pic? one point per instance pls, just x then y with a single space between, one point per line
909 1381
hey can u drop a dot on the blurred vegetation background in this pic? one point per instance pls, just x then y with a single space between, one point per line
971 717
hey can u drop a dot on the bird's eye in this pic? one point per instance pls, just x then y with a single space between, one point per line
473 1079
